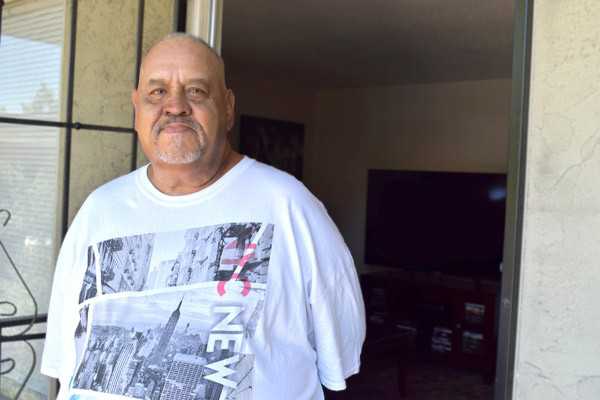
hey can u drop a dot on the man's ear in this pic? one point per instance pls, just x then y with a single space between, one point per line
135 97
230 108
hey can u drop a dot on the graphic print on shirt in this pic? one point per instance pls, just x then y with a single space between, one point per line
173 313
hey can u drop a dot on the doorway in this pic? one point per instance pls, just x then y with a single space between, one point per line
399 88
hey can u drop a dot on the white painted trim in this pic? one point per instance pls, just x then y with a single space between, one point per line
204 19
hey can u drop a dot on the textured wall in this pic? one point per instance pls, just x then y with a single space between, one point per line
158 22
104 77
105 61
558 354
459 126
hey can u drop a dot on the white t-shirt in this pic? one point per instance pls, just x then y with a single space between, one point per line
243 290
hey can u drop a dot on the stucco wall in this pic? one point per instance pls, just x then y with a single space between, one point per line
104 74
558 346
104 77
158 21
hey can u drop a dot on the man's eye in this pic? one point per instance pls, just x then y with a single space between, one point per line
196 92
158 92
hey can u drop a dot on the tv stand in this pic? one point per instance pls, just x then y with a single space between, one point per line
453 318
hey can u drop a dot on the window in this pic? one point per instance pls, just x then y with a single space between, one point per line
31 46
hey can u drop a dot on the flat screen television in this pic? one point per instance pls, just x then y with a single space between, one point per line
436 221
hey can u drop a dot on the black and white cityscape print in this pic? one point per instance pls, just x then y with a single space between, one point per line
89 287
188 345
166 259
167 315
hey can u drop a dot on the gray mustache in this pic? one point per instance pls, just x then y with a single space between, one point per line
160 125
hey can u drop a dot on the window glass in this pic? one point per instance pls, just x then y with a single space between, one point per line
31 52
31 46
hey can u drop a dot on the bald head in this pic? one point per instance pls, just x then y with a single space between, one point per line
183 110
186 41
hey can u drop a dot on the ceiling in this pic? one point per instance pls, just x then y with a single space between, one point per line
354 43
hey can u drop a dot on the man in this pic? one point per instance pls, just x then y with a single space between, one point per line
206 274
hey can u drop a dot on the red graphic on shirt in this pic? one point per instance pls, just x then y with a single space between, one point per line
248 253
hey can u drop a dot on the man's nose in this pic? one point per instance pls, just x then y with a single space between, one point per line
177 104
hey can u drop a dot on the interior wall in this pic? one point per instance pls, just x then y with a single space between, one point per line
559 319
460 126
273 100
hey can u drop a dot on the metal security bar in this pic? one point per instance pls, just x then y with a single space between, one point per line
72 125
8 364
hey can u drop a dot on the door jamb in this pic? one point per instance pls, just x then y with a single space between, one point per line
515 202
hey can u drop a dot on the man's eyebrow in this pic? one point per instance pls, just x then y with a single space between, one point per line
163 82
156 82
197 81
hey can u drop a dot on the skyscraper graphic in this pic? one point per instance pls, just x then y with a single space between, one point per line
165 337
125 262
117 381
184 379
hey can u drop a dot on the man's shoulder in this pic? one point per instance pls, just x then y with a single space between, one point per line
279 184
118 185
120 188
102 202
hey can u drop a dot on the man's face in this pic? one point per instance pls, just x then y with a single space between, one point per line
182 109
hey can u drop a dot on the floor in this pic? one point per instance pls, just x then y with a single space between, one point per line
424 381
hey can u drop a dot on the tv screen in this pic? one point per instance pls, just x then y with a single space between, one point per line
446 221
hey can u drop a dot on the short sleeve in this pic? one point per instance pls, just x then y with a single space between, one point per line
59 352
335 301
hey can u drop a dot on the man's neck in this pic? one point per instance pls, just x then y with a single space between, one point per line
178 180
